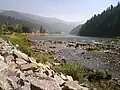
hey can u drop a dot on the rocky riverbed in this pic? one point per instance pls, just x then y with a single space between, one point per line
20 72
103 55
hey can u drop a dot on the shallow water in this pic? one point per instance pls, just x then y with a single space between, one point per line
68 38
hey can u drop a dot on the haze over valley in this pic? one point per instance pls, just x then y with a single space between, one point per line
50 24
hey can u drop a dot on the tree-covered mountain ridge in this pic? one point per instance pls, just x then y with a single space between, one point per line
106 24
50 24
75 31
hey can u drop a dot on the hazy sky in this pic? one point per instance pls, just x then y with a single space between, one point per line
68 10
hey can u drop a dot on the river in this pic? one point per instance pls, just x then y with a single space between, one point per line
68 38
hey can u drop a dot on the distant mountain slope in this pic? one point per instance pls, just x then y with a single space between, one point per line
75 31
50 24
8 20
106 24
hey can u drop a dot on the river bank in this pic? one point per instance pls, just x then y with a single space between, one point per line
18 71
100 58
61 52
97 55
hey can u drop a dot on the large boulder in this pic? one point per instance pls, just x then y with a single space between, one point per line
5 47
25 67
69 78
20 61
59 80
21 55
12 80
9 58
4 85
73 85
3 66
44 84
63 76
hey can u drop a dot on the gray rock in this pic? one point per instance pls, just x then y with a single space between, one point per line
27 73
73 85
21 55
5 47
44 84
20 75
12 80
48 73
33 87
25 67
69 78
9 58
20 61
58 79
56 64
4 84
26 87
1 58
40 75
63 77
3 66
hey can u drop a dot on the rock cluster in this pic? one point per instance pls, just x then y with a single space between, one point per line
20 72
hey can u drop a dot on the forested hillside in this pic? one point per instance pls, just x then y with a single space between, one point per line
50 24
75 31
12 21
106 24
10 24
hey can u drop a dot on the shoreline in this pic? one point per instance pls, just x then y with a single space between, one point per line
46 53
93 59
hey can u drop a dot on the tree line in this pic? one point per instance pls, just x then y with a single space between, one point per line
106 24
10 24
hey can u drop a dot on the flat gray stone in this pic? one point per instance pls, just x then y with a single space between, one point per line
25 67
73 85
20 61
3 66
58 79
9 58
45 84
21 55
27 73
1 58
69 78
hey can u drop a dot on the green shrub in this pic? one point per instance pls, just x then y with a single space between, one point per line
25 49
73 69
43 58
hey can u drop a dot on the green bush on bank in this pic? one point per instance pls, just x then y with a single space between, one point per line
43 58
73 69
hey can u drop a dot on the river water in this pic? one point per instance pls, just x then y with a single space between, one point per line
67 37
90 59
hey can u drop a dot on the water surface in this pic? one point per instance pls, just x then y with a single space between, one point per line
67 37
